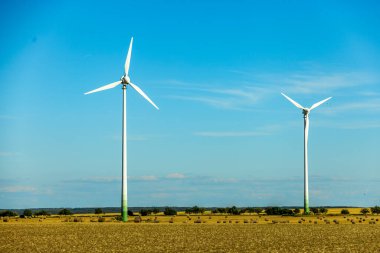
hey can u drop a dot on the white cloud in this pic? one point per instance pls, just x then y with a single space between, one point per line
239 98
230 134
225 180
146 178
176 176
323 82
17 188
372 105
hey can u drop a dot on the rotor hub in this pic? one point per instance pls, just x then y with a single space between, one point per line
125 79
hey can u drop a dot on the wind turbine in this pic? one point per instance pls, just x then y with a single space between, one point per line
306 112
124 81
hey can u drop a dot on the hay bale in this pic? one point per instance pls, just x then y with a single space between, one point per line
198 221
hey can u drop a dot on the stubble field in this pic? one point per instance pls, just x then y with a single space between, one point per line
190 237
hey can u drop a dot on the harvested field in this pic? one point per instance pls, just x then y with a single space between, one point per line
118 237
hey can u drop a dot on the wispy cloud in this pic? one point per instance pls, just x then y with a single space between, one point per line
260 131
94 180
240 98
352 125
372 105
18 188
247 93
230 134
175 176
143 178
323 82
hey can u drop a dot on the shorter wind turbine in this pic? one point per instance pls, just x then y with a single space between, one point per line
124 81
306 112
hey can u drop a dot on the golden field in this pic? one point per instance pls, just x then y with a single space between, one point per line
215 233
165 237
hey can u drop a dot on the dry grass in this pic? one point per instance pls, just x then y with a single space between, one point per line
165 237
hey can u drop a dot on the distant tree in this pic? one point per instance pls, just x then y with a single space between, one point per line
65 212
195 209
145 212
8 213
323 210
258 210
364 210
130 213
278 211
233 210
27 213
297 211
170 211
272 210
41 213
98 211
285 211
344 211
375 210
314 210
155 210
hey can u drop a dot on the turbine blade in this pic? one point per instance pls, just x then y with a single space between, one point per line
319 103
128 59
293 102
105 87
134 86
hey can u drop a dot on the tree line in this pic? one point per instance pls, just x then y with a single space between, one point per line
199 210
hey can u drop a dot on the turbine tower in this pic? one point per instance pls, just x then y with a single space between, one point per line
124 81
306 112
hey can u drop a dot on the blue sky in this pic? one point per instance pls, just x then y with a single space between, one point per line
223 136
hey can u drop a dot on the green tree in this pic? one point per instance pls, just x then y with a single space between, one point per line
98 211
145 212
297 211
7 213
65 212
375 210
41 212
27 213
155 210
314 210
364 210
233 210
323 210
170 211
345 211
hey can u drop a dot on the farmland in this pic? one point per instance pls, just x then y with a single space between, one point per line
215 233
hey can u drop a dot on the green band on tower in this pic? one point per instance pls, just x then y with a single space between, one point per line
124 212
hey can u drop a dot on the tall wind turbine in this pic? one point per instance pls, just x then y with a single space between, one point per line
124 81
306 112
